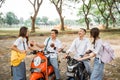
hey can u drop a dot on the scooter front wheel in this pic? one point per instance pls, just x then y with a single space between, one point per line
41 79
36 76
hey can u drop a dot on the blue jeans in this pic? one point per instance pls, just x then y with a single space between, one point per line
97 73
54 63
19 72
87 66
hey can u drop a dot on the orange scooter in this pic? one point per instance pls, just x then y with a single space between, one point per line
40 69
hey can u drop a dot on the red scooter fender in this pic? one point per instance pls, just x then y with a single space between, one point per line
35 76
50 70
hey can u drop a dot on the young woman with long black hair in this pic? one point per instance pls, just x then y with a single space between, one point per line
20 45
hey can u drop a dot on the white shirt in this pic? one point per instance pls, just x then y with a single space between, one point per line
79 46
57 44
97 48
19 43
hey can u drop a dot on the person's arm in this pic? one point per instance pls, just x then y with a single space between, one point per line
14 47
16 43
40 45
33 44
43 44
91 55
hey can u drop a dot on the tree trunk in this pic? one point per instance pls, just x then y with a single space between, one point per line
87 22
62 23
107 24
98 20
33 24
112 17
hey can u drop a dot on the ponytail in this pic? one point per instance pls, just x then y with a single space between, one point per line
94 32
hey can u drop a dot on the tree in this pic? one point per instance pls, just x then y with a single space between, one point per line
11 18
1 2
86 6
36 6
27 22
104 10
86 10
1 18
100 11
37 21
111 5
44 19
117 3
58 5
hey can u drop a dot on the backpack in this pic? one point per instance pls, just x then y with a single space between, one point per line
108 53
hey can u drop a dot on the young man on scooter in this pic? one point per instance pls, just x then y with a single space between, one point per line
80 45
53 46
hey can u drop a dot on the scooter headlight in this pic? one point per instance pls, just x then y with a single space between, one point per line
37 61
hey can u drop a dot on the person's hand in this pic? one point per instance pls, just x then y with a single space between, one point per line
32 43
78 59
86 55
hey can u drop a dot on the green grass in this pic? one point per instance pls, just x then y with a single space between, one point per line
112 33
8 32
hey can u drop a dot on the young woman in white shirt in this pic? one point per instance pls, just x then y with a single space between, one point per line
20 45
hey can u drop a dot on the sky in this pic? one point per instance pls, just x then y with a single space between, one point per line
22 8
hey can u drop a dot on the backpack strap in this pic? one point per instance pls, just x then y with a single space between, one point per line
46 44
23 43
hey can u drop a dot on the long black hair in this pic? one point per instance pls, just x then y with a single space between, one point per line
23 32
94 32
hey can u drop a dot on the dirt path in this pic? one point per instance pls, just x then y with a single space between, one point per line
66 39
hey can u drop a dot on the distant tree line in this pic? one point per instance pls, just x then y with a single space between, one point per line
106 12
11 19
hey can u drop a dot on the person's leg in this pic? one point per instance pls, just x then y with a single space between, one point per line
19 72
97 73
23 67
54 63
14 70
87 66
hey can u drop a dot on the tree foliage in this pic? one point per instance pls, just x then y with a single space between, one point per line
11 18
1 18
102 11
